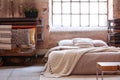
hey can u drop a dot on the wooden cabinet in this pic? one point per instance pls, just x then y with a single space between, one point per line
35 27
114 32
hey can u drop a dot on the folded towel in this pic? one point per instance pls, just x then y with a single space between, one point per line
5 27
5 40
5 32
5 46
5 36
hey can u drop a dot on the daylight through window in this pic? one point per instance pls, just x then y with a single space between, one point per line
79 13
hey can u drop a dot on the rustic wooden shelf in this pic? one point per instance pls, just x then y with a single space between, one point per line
114 32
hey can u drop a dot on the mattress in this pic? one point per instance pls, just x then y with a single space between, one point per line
87 63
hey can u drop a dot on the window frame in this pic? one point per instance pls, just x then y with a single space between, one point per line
51 13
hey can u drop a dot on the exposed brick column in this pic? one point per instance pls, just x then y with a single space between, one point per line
116 8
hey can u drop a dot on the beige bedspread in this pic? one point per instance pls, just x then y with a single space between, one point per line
87 63
66 62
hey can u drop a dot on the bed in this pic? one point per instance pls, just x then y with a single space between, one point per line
79 57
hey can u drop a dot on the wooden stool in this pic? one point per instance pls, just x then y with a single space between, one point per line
103 67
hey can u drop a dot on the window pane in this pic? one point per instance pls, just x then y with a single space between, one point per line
84 0
102 0
75 0
93 7
75 7
84 20
56 0
94 20
103 20
65 0
56 20
102 7
66 7
75 20
66 20
93 0
56 7
84 8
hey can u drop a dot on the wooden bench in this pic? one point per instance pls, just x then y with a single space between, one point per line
105 67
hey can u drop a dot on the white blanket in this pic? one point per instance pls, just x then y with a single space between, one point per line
61 63
58 48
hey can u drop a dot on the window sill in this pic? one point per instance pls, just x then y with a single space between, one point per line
77 29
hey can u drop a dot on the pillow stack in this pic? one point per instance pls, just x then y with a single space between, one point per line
82 42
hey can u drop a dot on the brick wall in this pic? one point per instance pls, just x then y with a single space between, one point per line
116 8
49 40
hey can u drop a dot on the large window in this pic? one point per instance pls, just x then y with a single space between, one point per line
79 13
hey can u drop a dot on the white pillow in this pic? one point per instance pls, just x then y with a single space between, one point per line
99 43
65 42
83 42
84 45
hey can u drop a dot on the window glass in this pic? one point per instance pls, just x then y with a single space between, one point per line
75 20
84 20
103 20
66 20
66 7
56 7
93 0
65 0
75 0
84 7
102 0
93 20
56 0
103 7
84 0
56 20
75 7
94 8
